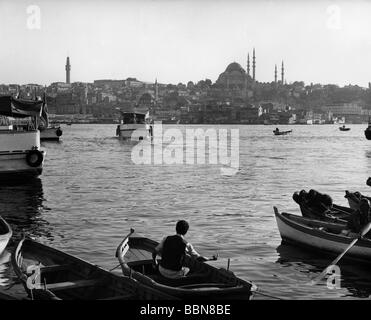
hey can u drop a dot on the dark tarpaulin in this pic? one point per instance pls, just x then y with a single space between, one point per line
17 108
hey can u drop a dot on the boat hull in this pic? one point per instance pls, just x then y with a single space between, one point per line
5 234
133 132
368 134
320 240
204 281
14 165
51 134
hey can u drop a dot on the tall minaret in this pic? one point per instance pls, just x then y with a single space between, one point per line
253 65
248 65
275 73
156 91
68 71
282 73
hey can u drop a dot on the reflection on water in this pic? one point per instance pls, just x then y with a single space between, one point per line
355 277
22 207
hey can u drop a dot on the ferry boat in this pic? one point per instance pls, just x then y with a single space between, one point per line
134 126
20 153
52 133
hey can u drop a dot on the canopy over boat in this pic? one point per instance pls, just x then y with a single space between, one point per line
134 117
17 108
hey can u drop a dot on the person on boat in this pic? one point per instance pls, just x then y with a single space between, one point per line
360 217
172 250
277 130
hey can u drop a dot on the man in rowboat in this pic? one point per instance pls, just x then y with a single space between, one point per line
172 250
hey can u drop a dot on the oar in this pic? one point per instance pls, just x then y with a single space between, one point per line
363 232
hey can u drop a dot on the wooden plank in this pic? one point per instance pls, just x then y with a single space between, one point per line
55 267
71 284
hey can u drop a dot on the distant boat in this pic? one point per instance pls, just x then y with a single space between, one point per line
134 126
277 132
368 130
50 133
343 128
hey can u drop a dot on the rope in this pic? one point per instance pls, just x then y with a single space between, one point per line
115 267
267 295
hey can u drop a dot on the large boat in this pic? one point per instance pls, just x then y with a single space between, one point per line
50 274
20 153
51 133
5 234
277 132
321 236
134 126
202 282
368 130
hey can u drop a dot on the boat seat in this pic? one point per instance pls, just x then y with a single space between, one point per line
72 284
55 267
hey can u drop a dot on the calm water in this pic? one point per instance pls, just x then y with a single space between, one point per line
90 194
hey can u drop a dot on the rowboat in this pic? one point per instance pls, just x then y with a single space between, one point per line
203 281
322 236
343 128
354 198
5 234
50 274
279 133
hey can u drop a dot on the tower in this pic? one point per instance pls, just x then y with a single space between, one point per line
156 91
68 71
253 65
282 73
275 73
248 65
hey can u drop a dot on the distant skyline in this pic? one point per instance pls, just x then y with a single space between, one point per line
327 42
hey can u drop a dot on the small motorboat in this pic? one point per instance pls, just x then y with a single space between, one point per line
343 128
316 205
203 281
321 236
277 132
50 274
5 234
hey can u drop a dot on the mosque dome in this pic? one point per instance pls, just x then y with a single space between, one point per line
234 66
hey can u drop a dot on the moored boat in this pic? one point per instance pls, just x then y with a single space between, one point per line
48 273
20 153
343 128
321 236
203 281
134 126
5 234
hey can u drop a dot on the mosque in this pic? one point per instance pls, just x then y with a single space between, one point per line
235 77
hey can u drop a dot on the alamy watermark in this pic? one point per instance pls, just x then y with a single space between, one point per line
33 21
191 147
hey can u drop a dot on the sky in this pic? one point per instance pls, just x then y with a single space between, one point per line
184 40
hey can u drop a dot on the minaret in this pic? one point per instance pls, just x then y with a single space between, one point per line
275 73
282 73
253 65
156 91
248 65
68 71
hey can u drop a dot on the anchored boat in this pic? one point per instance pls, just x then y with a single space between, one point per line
50 274
5 234
20 153
203 281
322 236
134 126
277 132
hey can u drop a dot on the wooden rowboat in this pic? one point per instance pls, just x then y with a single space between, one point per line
5 234
50 274
280 133
203 281
322 236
